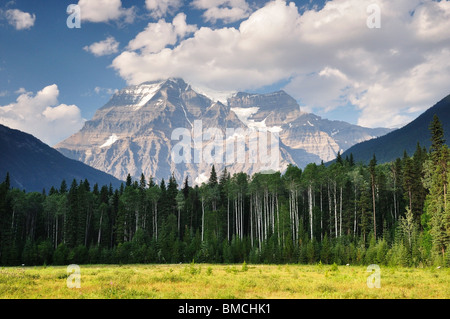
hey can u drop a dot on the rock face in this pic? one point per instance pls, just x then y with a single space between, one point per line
143 128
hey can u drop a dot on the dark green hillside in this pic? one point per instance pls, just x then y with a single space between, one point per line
33 165
391 146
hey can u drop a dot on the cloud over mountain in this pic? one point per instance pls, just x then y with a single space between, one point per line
328 57
40 115
157 36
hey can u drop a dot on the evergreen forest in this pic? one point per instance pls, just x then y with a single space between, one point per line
395 213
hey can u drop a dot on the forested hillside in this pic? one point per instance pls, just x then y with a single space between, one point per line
33 165
395 213
390 146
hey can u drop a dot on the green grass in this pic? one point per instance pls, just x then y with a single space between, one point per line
207 281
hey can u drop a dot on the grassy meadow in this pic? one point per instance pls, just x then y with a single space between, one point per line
212 281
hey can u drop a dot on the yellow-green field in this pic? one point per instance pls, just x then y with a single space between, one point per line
204 281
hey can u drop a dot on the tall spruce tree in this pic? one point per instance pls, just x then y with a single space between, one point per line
436 181
437 137
372 171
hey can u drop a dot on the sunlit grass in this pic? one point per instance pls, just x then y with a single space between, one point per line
207 281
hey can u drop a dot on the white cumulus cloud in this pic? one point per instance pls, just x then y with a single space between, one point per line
42 116
157 36
105 47
328 57
162 8
20 20
226 10
105 11
109 91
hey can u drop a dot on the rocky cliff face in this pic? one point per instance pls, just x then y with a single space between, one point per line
137 130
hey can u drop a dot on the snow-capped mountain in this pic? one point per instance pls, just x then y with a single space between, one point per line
141 127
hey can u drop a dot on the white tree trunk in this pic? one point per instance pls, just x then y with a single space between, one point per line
310 209
335 211
100 228
340 214
203 218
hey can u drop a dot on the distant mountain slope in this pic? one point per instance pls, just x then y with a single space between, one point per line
391 146
33 165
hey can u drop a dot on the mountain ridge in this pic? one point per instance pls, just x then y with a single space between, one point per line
392 145
34 166
139 120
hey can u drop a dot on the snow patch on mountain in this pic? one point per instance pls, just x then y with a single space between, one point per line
185 114
110 141
215 96
148 92
243 114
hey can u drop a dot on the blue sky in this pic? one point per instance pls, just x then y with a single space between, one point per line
323 54
50 52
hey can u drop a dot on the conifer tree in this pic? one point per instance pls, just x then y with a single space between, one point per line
212 177
142 182
408 179
71 222
339 159
129 180
372 170
351 160
185 189
437 138
63 187
436 179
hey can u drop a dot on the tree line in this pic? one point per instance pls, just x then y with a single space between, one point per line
396 213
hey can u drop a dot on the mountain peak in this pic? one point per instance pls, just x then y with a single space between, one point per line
134 132
163 81
169 82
